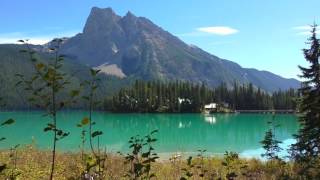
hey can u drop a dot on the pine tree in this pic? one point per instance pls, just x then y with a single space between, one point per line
307 149
270 143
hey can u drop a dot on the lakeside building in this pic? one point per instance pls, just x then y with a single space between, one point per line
210 108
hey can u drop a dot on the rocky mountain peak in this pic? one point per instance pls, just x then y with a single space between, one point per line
135 47
100 19
130 15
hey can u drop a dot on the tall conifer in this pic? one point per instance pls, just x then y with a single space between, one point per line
307 149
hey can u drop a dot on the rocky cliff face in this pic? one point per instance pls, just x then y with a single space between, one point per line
138 48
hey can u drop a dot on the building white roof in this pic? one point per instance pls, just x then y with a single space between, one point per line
211 106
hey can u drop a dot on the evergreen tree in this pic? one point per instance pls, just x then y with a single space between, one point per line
307 149
270 143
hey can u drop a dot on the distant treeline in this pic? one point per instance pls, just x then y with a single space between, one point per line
179 96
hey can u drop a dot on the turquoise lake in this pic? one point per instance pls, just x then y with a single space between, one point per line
183 133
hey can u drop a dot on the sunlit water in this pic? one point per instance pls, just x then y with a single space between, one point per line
183 133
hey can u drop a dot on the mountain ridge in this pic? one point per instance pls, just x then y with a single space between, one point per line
135 47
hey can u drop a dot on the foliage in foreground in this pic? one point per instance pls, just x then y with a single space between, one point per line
45 85
3 123
32 164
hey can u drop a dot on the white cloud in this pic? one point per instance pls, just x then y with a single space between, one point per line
304 33
218 30
304 30
12 38
211 30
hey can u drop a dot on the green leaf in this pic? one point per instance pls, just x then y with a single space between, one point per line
85 98
39 66
94 72
31 99
51 125
23 51
85 121
189 160
154 131
2 139
18 83
8 122
2 167
151 140
34 78
66 134
146 154
96 133
61 104
74 93
189 174
96 103
60 132
19 75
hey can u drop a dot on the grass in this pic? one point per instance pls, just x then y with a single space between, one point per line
34 164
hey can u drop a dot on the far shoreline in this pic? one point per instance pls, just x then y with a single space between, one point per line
249 111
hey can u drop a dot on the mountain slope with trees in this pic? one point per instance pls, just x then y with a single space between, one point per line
13 62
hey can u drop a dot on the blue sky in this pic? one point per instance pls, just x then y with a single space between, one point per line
266 35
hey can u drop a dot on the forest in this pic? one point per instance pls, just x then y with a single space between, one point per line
180 96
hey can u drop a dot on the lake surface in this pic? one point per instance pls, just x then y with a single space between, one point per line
184 133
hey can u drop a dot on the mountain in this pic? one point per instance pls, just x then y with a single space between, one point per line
128 48
131 46
12 62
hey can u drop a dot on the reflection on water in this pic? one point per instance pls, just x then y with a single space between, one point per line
210 119
177 132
